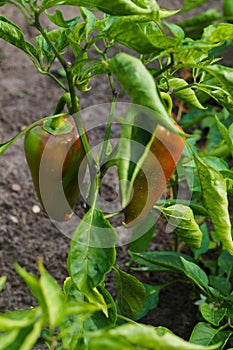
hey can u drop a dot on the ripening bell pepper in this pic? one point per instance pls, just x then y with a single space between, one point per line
54 158
154 173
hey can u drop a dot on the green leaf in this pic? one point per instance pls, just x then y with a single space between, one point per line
118 7
214 193
32 337
92 254
19 319
175 29
205 335
212 315
181 219
225 262
218 32
130 291
180 88
8 338
160 261
142 37
2 282
33 284
195 273
90 21
221 284
57 18
205 242
225 134
141 87
151 300
12 33
53 297
143 337
139 242
189 5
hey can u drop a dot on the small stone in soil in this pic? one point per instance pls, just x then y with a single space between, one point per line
36 209
16 187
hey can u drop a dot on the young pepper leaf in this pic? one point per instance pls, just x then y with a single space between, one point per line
53 296
130 293
214 193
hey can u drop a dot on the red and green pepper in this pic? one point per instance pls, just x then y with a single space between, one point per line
54 153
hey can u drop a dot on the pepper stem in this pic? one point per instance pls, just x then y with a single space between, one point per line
167 98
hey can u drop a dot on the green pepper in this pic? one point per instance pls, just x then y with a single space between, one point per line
54 153
155 171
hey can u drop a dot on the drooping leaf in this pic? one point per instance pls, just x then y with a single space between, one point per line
214 193
145 337
118 7
184 92
181 219
12 33
130 293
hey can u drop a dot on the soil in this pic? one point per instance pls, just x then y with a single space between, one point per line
26 232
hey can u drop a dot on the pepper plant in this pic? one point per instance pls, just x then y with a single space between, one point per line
138 46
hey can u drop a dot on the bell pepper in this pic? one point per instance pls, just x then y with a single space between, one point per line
54 153
155 172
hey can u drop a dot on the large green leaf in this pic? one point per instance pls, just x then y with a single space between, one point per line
118 7
138 336
142 37
130 293
214 193
92 254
